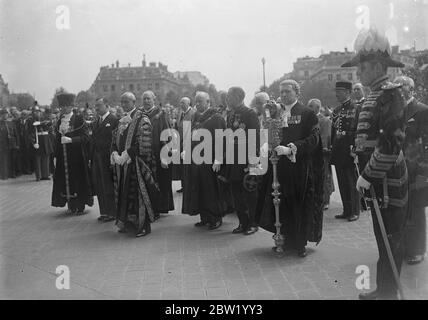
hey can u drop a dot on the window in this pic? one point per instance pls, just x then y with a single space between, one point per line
131 87
105 88
157 86
330 77
112 87
338 77
350 76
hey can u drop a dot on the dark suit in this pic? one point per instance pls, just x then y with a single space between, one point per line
101 174
245 201
416 152
345 119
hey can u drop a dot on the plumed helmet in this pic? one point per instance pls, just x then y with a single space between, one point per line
372 45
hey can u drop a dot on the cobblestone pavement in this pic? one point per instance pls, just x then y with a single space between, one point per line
177 260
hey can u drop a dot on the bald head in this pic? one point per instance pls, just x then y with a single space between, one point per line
235 97
184 103
260 99
358 91
202 101
315 105
408 86
127 101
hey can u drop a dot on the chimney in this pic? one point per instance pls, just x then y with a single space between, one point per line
112 65
129 65
144 60
346 49
117 63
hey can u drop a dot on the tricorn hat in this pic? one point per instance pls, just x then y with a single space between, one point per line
65 99
371 45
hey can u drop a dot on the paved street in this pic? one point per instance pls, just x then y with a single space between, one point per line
177 260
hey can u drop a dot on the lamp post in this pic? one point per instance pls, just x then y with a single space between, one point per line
264 78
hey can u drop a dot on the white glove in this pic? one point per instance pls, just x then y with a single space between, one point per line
114 158
65 140
264 150
216 166
362 183
124 158
183 154
283 151
164 164
36 123
36 146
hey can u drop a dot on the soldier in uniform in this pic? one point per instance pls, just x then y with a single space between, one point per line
416 152
71 182
7 134
245 198
379 139
345 118
42 144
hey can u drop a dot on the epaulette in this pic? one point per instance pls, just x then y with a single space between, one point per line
390 86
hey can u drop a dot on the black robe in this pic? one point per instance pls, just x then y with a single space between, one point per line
201 187
163 177
301 182
78 166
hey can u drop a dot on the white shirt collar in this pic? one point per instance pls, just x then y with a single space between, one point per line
410 100
288 107
105 116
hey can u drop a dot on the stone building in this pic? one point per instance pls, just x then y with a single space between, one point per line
113 80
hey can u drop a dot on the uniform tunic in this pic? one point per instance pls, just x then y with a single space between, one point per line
379 140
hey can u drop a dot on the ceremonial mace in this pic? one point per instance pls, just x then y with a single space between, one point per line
67 194
274 126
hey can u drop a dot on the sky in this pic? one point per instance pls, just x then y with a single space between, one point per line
223 39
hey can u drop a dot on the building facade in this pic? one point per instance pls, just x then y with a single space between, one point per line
4 93
114 80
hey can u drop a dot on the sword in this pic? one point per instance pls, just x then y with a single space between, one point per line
386 242
67 194
358 173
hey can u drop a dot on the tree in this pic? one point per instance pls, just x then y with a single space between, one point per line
172 98
54 103
84 97
21 100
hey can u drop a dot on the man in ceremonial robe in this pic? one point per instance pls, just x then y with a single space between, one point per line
416 153
102 175
300 174
202 194
71 181
325 133
131 156
186 117
379 141
163 173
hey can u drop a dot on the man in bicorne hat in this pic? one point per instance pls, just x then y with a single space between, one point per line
379 143
71 182
345 119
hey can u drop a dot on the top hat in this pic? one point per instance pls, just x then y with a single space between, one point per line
371 45
65 99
